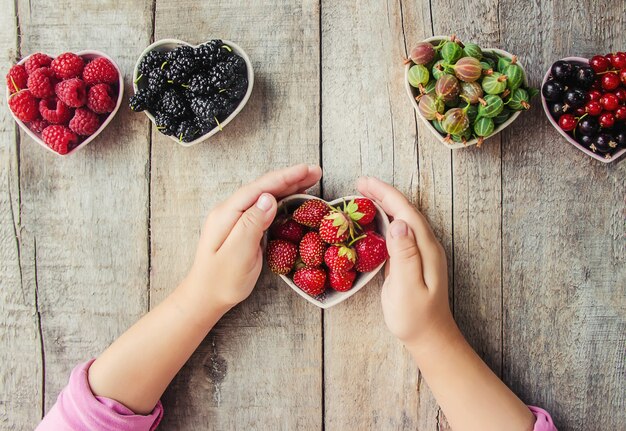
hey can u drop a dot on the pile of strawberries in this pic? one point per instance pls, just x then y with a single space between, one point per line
324 246
65 99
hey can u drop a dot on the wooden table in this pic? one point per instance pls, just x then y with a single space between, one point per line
534 229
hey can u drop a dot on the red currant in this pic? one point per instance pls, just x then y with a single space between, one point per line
622 76
567 122
619 60
609 58
606 120
593 108
598 63
609 101
610 81
580 111
621 94
593 95
597 85
620 114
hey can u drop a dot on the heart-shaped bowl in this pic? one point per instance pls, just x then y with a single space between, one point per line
331 297
88 55
166 45
600 157
412 92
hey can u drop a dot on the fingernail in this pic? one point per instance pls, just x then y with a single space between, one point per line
264 203
398 229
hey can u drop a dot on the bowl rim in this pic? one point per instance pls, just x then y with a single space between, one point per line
178 42
333 297
544 103
120 95
429 126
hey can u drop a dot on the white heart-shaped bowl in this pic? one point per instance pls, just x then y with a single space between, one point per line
166 45
89 55
600 157
412 92
331 297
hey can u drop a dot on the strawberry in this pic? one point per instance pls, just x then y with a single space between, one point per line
312 249
339 258
342 281
285 228
368 227
281 256
311 213
335 227
310 280
371 251
361 210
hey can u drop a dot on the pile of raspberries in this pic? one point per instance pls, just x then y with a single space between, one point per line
63 99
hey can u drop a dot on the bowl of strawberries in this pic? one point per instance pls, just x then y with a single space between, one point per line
64 102
327 251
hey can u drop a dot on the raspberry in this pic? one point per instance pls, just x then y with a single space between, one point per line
72 92
99 71
41 83
24 106
101 99
85 122
59 138
17 78
36 61
68 65
38 125
54 111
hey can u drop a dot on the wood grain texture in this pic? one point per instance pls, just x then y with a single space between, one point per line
84 217
261 367
368 128
20 351
564 247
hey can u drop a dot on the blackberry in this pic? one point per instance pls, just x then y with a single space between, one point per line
201 84
174 103
223 106
165 123
203 107
181 69
182 51
152 60
204 126
237 90
207 53
157 81
222 75
238 64
142 100
187 131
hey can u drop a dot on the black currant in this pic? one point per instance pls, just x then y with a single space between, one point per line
586 140
584 76
562 70
574 97
620 138
604 143
558 108
588 126
553 91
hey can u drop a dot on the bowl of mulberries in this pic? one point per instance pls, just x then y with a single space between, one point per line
189 92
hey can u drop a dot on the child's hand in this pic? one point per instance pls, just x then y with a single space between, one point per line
229 258
415 293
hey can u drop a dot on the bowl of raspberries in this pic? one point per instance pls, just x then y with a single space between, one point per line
327 251
191 92
64 102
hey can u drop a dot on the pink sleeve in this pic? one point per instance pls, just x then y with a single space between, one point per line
78 409
544 421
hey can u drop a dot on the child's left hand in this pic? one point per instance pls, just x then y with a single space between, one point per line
229 257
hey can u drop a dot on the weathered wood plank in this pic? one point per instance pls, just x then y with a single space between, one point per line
368 128
21 373
84 217
261 367
563 236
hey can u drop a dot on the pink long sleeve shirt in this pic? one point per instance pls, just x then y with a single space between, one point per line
78 409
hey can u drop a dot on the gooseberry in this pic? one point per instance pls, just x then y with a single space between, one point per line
423 53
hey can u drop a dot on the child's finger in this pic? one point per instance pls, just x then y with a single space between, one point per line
246 236
404 256
278 183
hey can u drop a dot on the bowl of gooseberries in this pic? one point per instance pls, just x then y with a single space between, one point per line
463 93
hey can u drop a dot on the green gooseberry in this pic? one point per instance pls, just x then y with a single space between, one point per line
502 116
439 69
437 125
490 61
430 86
455 121
484 126
494 83
519 100
463 137
504 62
493 106
473 50
418 76
451 52
514 76
485 65
430 106
472 113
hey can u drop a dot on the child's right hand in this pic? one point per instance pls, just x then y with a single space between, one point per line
415 293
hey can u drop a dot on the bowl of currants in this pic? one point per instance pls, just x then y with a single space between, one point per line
463 93
585 100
